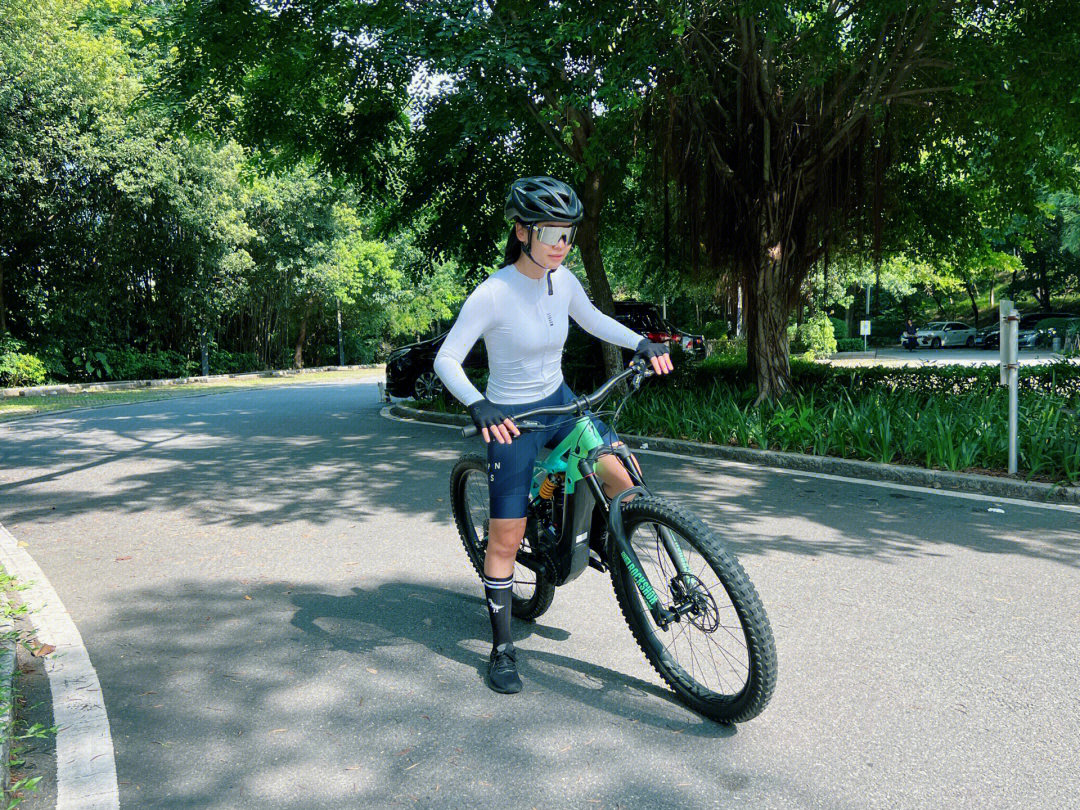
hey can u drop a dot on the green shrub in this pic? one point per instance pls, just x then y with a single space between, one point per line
128 364
55 364
849 345
815 335
947 431
18 370
840 330
9 344
222 362
91 365
714 330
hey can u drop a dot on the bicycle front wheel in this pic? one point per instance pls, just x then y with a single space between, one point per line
720 657
532 593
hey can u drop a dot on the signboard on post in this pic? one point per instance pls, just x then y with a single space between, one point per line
864 328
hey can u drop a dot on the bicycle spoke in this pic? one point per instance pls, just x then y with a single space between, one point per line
708 642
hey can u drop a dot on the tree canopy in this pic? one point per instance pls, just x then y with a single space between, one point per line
219 176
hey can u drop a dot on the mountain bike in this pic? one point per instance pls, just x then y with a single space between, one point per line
688 602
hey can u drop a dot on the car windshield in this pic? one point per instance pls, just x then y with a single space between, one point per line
934 326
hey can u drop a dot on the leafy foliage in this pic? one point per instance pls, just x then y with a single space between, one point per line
21 370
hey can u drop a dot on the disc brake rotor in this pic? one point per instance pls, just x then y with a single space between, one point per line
693 601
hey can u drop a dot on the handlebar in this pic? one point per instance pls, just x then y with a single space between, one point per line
578 406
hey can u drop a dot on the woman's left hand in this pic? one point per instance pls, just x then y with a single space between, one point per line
657 354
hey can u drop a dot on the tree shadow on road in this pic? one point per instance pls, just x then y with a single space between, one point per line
761 510
291 697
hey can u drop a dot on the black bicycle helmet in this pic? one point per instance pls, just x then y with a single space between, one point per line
543 199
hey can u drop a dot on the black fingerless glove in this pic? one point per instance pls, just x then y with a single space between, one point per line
646 350
485 414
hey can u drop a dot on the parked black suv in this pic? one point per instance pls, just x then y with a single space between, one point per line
410 372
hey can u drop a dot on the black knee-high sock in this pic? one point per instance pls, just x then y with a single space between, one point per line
498 593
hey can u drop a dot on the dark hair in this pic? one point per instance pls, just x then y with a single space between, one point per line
513 247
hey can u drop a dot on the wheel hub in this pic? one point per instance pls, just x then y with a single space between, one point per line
693 600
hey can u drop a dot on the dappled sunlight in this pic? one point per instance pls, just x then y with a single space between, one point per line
323 454
376 694
280 596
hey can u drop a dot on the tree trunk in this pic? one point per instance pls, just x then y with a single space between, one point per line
767 310
340 340
1042 285
298 356
588 241
972 292
204 351
3 306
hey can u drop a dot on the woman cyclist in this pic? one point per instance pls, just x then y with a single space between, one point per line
521 312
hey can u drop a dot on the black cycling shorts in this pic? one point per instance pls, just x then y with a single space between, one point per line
510 466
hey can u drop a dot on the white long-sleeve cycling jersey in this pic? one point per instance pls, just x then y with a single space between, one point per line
523 322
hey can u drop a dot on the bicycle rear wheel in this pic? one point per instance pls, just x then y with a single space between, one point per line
720 657
532 593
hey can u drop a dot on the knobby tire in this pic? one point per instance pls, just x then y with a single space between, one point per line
760 681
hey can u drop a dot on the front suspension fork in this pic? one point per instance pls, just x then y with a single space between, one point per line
661 615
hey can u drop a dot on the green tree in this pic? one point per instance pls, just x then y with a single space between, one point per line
550 88
780 122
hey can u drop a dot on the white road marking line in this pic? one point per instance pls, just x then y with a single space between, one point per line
85 761
971 496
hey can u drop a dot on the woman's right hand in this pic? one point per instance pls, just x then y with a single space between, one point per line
492 422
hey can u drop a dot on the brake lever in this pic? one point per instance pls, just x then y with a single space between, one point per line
641 372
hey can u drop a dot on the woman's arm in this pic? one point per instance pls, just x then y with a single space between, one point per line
471 322
595 322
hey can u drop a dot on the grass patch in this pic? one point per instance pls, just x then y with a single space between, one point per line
17 407
19 734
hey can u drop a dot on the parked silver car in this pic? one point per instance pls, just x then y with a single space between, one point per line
946 333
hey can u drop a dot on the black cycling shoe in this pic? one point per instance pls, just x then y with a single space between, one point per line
502 670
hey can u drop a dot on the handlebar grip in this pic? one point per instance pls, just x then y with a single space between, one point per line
469 431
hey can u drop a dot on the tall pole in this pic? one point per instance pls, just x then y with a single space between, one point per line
340 343
1009 334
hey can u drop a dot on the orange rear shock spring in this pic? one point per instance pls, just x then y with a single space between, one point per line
547 488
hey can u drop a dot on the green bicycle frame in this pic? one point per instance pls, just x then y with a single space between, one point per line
571 554
567 455
579 504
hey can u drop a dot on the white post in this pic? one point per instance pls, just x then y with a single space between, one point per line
340 342
1009 319
1004 308
738 315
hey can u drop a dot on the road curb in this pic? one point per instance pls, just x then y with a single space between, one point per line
125 385
7 692
829 465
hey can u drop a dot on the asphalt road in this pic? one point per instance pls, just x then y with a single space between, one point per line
275 599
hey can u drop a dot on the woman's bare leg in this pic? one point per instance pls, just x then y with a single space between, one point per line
504 539
614 475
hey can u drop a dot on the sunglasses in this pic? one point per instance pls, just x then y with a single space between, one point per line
551 234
